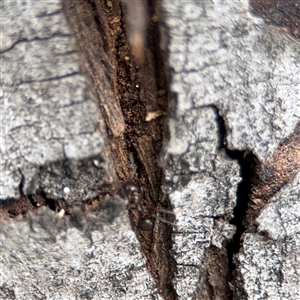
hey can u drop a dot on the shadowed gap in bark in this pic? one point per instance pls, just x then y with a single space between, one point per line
260 181
139 94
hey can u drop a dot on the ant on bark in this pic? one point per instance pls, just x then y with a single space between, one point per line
145 216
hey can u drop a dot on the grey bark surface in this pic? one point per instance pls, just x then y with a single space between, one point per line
49 119
52 139
226 62
278 275
271 266
95 257
223 62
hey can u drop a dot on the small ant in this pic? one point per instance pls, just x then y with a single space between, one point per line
146 217
133 193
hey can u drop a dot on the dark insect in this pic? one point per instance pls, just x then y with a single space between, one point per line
146 216
134 195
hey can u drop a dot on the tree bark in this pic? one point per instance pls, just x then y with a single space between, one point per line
82 114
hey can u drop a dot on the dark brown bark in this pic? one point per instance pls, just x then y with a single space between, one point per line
134 113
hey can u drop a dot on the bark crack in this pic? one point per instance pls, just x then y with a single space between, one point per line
260 181
135 116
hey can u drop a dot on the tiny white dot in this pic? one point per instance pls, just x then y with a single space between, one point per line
61 213
97 163
67 190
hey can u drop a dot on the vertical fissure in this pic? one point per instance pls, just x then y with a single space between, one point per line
145 121
260 181
245 160
240 210
221 262
134 113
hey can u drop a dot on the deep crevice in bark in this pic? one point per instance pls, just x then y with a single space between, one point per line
219 263
134 109
245 160
240 209
139 94
260 181
219 266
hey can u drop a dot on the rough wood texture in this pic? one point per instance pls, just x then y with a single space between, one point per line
234 85
79 257
138 90
269 263
50 129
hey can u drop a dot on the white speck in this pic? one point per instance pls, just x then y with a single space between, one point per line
67 190
278 123
61 213
97 163
153 115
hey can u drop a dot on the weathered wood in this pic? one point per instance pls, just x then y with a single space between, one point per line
268 263
54 257
234 85
51 138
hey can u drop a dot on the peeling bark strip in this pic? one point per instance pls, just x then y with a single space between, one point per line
269 177
281 13
138 90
